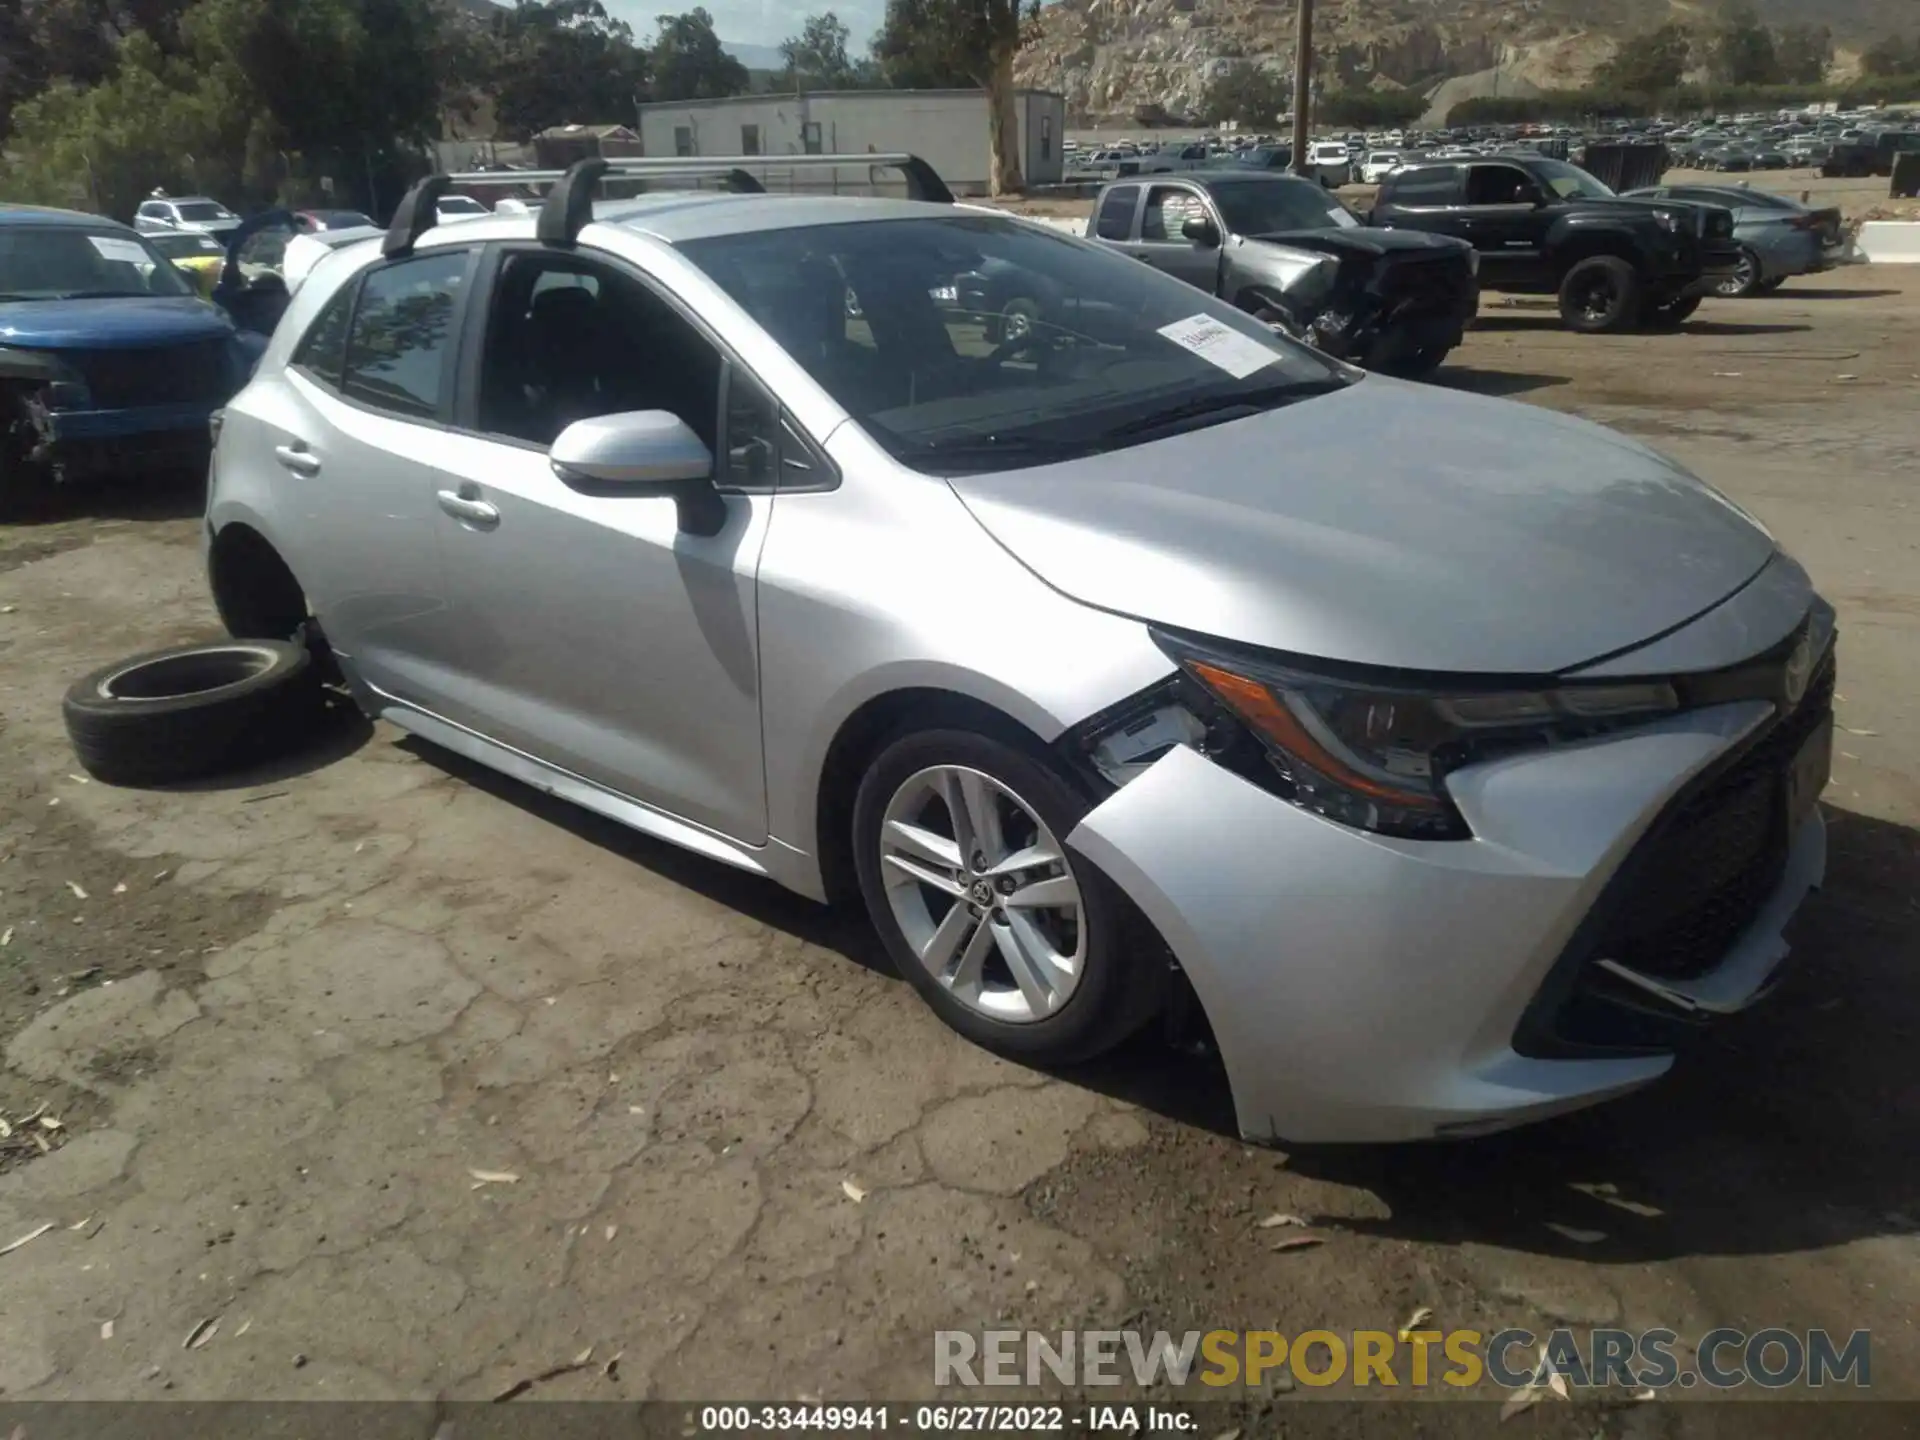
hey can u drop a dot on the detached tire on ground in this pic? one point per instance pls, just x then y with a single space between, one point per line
1600 295
193 710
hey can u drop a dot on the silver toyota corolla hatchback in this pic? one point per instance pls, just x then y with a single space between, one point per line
1461 757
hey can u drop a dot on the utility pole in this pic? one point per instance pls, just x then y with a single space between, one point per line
1302 87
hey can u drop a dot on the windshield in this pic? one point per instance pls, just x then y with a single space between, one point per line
202 210
1266 207
974 343
59 263
1570 182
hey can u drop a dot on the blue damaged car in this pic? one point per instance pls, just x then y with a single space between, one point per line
109 359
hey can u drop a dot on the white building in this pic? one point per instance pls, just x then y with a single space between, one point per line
946 128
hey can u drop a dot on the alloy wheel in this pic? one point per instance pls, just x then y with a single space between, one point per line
983 894
1741 281
1597 298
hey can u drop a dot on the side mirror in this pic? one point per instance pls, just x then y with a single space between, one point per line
642 452
1201 231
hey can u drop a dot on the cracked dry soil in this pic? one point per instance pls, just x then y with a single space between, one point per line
341 988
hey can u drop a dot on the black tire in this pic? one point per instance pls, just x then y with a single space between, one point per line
1671 314
1017 317
1744 281
1123 981
1600 296
193 710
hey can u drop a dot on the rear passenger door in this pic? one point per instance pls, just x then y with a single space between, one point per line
1505 218
351 438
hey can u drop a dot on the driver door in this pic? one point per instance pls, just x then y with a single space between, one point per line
597 635
1161 244
1504 219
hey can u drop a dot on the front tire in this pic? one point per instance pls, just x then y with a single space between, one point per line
1014 941
1600 296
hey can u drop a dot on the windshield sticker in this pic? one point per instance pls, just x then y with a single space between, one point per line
1219 345
112 247
1343 218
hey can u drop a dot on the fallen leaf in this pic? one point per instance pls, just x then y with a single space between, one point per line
636 1109
1726 374
106 1329
1414 1322
1522 1399
53 802
77 779
245 1325
612 1367
493 1177
6 937
47 1122
1228 1435
1646 1394
1298 1242
612 1230
1577 1235
5 1128
1275 1221
81 1225
1870 734
78 893
201 1333
1846 377
853 1192
121 888
30 1235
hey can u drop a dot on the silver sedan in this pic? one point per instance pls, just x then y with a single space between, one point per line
1459 778
1779 236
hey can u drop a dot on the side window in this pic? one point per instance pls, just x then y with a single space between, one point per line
1499 185
1116 212
763 448
568 339
1168 208
321 352
1428 185
152 210
402 333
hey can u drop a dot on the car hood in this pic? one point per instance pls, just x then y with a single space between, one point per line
1387 524
121 321
1364 240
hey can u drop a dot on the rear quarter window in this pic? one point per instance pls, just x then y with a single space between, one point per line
321 352
1428 185
1115 221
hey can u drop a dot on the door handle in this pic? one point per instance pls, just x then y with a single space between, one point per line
468 510
297 458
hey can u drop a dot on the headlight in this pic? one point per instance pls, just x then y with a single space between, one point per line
1667 221
1375 754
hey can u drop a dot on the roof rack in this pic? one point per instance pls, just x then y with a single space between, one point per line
569 203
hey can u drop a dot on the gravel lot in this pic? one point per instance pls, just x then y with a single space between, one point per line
285 1018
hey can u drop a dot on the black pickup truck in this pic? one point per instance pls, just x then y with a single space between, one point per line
1282 248
1544 227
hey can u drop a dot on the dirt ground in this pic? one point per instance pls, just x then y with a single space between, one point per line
421 1084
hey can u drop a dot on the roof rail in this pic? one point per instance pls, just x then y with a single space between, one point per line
415 215
569 204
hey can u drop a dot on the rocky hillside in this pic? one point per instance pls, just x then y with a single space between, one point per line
1111 57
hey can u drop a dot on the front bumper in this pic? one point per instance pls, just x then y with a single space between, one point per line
80 443
1363 988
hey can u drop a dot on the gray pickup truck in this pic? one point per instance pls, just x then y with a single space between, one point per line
1283 249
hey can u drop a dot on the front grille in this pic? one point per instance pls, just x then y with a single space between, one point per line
164 375
1683 897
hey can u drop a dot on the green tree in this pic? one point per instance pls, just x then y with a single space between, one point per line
1804 52
817 57
1649 64
689 63
1742 52
556 62
1371 108
1246 94
976 39
1892 55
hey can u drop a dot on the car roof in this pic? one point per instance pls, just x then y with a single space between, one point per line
185 200
11 214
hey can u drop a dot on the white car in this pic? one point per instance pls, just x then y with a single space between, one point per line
184 212
1377 165
451 208
1329 163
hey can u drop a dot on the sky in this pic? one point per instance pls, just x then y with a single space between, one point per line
757 22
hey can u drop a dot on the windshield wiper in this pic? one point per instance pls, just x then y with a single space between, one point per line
1231 405
1011 451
